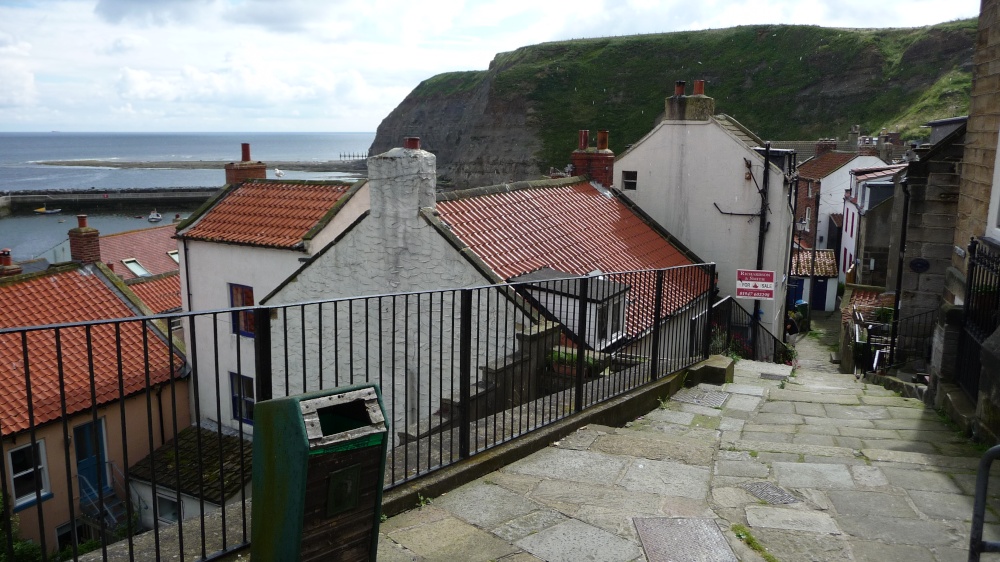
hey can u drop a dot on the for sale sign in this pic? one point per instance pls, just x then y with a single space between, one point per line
754 284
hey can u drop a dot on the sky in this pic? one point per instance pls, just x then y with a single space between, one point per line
322 65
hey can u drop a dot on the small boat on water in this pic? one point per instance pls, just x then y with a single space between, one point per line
155 217
43 210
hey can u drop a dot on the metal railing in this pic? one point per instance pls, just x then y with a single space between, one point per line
874 339
734 333
982 312
461 371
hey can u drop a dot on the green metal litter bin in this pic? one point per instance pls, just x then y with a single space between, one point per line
318 465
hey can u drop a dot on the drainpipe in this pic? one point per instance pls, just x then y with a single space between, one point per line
899 271
760 244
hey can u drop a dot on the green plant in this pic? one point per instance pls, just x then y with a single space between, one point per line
744 535
24 551
423 501
383 518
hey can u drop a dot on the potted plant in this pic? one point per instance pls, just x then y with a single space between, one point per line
563 361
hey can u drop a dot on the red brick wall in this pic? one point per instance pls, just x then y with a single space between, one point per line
803 201
243 171
85 245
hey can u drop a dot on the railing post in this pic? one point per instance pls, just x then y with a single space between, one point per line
262 353
581 349
654 368
465 373
708 312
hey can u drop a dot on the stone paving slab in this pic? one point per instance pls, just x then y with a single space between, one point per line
684 450
921 458
819 476
579 466
528 524
902 531
747 389
573 541
559 493
485 505
893 401
791 519
816 398
772 447
868 503
668 479
452 539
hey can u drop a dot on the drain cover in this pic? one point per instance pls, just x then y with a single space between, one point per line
667 539
773 377
769 492
701 397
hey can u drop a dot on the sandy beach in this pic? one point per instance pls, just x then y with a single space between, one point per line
328 166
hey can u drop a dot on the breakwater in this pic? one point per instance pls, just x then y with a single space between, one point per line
78 200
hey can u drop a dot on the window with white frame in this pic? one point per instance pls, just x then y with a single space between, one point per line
173 256
609 320
241 388
167 509
808 218
136 268
28 471
993 218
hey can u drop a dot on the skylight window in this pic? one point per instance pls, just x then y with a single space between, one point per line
135 267
173 256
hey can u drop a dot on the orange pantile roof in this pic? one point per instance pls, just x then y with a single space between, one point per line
837 219
159 294
868 174
270 213
825 164
866 301
148 245
824 261
572 228
69 294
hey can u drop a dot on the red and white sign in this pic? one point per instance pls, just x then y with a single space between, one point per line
754 284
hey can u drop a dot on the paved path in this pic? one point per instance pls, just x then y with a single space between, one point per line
867 475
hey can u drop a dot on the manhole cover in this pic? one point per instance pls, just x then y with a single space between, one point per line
668 539
769 492
707 398
773 376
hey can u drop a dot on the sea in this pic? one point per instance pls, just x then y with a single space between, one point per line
22 169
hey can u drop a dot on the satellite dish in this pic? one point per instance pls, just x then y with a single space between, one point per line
278 173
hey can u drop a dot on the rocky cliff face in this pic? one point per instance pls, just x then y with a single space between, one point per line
520 117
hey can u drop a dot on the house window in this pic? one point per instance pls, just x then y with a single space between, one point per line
609 320
630 180
173 255
993 218
167 509
852 225
243 397
810 190
808 217
28 471
64 534
136 268
241 295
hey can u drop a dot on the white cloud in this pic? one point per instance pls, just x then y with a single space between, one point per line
124 44
18 85
150 12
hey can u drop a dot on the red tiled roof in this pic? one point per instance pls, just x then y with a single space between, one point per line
267 213
803 262
866 301
571 228
68 295
825 164
148 245
837 219
161 294
867 174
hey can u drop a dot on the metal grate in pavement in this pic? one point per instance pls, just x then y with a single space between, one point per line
697 539
769 492
707 398
774 376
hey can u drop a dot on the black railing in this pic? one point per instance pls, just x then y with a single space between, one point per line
461 371
734 333
982 312
910 346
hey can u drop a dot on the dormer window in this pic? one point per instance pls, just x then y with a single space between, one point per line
173 256
136 268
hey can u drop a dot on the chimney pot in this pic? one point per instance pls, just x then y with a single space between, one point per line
413 143
583 142
246 151
5 257
679 87
699 87
81 221
602 139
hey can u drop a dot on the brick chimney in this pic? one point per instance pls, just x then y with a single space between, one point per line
696 107
7 266
598 163
238 172
825 145
84 242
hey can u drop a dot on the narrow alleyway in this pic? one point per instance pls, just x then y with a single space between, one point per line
810 465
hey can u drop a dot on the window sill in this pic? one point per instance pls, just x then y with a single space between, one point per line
29 503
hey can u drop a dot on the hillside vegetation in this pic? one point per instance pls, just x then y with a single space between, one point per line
783 82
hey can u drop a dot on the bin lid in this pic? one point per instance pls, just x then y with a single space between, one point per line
800 302
365 416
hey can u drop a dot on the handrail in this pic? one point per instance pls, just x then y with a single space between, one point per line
976 543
